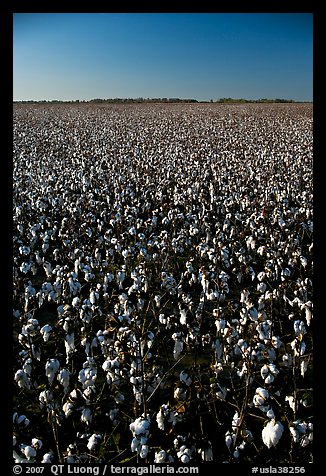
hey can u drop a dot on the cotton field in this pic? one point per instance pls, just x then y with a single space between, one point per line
162 283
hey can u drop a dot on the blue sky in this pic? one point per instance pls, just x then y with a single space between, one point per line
69 56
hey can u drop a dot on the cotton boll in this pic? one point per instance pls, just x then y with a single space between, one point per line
45 331
229 439
272 433
270 414
63 377
185 458
135 444
86 416
68 408
93 441
160 419
36 443
47 458
51 368
22 379
29 452
291 401
143 451
236 421
160 456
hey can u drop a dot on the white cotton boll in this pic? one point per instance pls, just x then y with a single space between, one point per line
229 439
160 456
29 452
185 458
68 408
140 426
86 416
178 348
287 360
143 451
272 433
75 302
298 346
22 420
45 331
183 317
63 377
291 401
179 394
299 328
47 458
160 419
236 421
19 459
157 299
27 367
220 324
36 443
295 434
270 414
261 287
269 379
93 441
135 444
260 397
303 367
276 342
22 379
51 368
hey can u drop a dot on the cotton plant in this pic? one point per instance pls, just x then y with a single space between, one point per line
301 432
140 431
184 454
268 372
165 415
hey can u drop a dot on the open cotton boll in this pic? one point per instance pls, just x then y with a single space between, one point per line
272 433
93 441
160 456
22 379
86 416
63 377
28 451
143 451
51 368
45 331
36 443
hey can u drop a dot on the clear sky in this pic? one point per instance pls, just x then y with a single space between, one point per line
203 56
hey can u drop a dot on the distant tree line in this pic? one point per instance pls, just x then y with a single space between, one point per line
158 100
241 100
